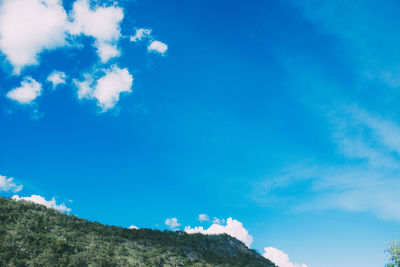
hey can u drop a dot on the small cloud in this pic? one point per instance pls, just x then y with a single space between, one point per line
133 227
154 46
84 87
107 51
107 89
218 221
140 34
42 201
56 78
27 92
36 114
157 47
280 258
203 218
172 223
233 228
7 184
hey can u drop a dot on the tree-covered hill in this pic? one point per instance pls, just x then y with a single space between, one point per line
33 235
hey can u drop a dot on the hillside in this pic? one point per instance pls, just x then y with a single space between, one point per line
33 235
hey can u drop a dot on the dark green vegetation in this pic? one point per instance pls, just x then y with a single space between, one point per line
33 235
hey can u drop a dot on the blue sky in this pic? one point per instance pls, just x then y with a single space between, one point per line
282 115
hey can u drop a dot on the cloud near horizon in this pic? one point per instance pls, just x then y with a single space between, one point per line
233 228
172 223
280 258
42 201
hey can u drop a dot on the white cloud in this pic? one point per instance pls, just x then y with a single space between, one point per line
133 227
218 221
154 45
111 85
107 89
157 47
101 23
203 218
280 258
172 223
140 34
27 92
27 27
42 201
56 78
233 228
7 184
387 132
84 87
107 51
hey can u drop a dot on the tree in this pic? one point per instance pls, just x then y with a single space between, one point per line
394 253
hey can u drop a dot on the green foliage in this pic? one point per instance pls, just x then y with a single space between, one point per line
32 235
394 254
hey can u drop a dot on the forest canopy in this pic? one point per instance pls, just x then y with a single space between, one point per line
33 235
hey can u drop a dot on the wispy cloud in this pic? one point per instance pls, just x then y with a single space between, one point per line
203 218
8 184
367 30
154 46
172 223
140 34
366 180
218 221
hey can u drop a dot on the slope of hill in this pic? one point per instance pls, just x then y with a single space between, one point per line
33 235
